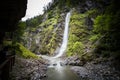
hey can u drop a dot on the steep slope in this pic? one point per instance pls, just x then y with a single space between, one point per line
46 37
90 32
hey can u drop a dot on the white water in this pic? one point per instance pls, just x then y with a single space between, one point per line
55 61
65 37
55 70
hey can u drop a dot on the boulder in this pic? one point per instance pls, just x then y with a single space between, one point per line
74 61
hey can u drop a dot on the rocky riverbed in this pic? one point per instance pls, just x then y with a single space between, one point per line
96 72
98 69
28 69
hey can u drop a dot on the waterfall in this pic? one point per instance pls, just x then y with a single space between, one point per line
65 36
57 71
55 60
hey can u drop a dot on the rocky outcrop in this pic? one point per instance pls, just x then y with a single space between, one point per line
46 38
100 71
28 69
73 61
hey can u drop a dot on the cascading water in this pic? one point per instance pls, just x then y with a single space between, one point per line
55 70
55 60
65 37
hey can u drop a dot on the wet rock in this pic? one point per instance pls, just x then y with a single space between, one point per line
54 64
62 63
89 3
81 71
74 61
43 76
28 69
89 23
98 71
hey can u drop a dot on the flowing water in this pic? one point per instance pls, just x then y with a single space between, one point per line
65 37
56 71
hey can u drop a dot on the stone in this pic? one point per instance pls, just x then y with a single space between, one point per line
74 61
81 71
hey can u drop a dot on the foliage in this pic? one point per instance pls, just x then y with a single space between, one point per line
52 44
34 22
7 43
23 52
102 23
105 29
45 27
107 25
73 3
78 47
94 37
19 31
77 35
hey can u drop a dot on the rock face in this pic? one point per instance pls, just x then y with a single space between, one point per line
81 71
73 61
28 69
46 38
100 71
11 12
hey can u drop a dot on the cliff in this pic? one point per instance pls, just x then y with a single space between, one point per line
90 32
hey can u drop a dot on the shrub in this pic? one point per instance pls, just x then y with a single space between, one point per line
94 38
78 48
23 52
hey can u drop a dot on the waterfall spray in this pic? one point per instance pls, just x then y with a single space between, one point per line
65 36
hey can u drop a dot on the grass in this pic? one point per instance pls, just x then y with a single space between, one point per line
23 52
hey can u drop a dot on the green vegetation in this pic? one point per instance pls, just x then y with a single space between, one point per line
95 30
19 49
23 52
107 26
94 37
49 36
78 34
46 32
102 37
101 23
33 22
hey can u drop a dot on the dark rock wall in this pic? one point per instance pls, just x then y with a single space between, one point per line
11 11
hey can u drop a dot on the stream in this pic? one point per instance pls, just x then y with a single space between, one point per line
61 73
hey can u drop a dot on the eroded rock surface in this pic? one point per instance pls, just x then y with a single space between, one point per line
99 71
28 69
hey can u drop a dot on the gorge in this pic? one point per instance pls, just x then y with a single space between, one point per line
45 50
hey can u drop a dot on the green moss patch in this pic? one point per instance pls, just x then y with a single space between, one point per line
23 52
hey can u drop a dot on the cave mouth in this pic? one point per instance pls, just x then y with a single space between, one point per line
10 14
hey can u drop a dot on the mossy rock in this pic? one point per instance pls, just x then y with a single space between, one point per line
23 52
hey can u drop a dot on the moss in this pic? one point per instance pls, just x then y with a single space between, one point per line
78 34
76 49
86 57
7 43
33 29
23 52
94 38
92 13
49 32
51 46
